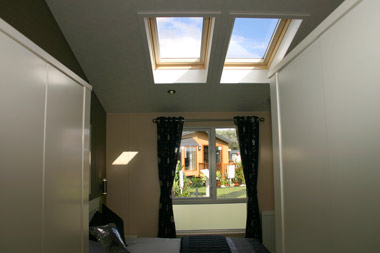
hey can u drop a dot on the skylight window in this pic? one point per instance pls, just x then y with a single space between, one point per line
179 41
254 42
180 38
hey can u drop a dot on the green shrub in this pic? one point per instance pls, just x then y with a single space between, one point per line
176 186
203 178
219 177
239 174
196 182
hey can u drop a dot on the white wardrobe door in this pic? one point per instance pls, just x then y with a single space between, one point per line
63 173
86 169
22 106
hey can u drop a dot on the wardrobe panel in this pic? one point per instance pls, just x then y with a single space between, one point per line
63 174
86 168
22 106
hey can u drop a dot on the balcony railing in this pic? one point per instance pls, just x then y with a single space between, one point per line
222 167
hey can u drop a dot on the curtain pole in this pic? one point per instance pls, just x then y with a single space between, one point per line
208 120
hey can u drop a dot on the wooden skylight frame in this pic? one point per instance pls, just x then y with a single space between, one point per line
178 63
261 63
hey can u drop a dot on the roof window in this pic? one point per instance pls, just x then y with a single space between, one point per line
254 42
179 42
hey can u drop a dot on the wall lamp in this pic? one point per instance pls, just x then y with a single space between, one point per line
104 186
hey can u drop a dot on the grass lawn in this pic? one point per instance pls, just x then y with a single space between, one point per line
222 192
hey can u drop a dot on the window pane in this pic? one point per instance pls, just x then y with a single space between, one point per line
205 153
229 171
179 37
251 37
192 176
190 158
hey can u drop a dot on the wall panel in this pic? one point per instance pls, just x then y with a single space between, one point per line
98 148
63 174
22 106
44 151
306 174
330 126
351 60
86 168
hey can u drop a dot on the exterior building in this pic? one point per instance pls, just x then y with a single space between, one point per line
195 153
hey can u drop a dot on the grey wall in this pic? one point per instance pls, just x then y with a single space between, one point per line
35 21
330 132
98 147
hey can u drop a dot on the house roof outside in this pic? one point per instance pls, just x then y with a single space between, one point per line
218 136
221 137
189 142
234 151
184 133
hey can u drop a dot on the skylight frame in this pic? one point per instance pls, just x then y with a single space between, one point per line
180 63
260 63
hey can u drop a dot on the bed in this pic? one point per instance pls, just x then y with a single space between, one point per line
106 230
189 244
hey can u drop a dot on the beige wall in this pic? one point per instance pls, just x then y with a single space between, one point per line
133 190
222 216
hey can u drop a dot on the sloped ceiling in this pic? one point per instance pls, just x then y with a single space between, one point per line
108 40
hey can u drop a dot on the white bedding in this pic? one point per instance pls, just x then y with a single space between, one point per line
149 245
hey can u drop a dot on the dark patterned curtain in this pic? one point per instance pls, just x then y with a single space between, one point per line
169 133
248 136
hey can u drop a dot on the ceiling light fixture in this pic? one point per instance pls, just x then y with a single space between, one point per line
171 92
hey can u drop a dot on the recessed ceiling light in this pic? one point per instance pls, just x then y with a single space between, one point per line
171 92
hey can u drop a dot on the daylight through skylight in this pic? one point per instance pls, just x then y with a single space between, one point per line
254 41
180 41
251 37
184 42
180 37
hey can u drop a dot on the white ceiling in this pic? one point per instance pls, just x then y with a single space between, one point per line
109 42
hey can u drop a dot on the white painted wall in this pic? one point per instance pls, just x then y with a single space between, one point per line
329 129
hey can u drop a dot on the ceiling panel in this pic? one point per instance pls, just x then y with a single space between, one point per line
109 43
